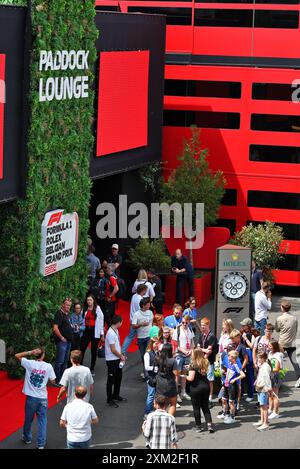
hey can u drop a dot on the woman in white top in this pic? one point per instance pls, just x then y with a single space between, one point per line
143 280
276 359
227 328
94 330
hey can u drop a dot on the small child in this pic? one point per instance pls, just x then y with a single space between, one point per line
231 386
224 365
263 387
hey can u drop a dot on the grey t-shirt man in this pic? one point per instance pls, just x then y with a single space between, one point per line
143 316
77 375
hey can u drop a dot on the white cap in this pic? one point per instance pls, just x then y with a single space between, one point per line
115 246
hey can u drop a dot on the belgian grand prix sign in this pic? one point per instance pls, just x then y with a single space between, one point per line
59 241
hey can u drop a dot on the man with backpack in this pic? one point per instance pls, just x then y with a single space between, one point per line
208 343
111 291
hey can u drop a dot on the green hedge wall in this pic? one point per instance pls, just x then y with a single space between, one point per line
59 148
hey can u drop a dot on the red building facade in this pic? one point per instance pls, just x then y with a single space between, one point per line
230 69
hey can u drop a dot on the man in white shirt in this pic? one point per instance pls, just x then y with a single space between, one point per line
134 308
142 323
263 304
75 376
38 373
115 361
78 417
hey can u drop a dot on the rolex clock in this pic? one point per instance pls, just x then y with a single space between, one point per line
234 286
232 290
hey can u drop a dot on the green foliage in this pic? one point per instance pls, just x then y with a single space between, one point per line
264 240
193 181
151 177
147 254
59 148
15 3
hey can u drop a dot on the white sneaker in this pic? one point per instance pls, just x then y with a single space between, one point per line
297 384
249 399
257 424
185 396
179 398
178 406
221 416
263 427
273 416
229 420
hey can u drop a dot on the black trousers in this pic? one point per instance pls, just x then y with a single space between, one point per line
109 312
180 284
200 401
89 337
158 305
114 379
76 342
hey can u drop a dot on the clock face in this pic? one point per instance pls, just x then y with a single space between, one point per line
234 286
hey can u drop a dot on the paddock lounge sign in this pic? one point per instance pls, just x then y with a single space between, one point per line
59 241
64 87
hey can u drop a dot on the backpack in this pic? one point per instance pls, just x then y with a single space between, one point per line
122 288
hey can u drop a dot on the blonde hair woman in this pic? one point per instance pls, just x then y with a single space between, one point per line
227 328
199 389
142 279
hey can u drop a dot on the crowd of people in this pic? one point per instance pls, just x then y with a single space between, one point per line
180 357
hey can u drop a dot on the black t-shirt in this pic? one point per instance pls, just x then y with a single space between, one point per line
241 348
157 288
117 259
182 263
205 341
64 325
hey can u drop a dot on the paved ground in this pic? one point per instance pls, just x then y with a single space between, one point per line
120 428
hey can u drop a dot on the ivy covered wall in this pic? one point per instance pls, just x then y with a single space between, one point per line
59 148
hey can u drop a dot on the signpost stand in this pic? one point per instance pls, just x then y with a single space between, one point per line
232 285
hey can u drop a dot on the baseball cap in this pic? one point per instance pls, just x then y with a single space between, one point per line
246 322
115 246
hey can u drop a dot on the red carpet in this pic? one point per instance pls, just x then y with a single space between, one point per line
12 400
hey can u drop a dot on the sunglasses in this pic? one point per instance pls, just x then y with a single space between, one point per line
184 323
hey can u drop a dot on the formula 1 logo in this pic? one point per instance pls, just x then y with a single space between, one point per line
55 218
233 310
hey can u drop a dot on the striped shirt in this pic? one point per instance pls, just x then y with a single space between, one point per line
160 430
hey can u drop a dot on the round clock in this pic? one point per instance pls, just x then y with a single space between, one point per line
233 286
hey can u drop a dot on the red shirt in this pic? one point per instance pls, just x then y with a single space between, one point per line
90 319
111 283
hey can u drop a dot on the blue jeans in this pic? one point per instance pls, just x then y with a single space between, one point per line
143 344
150 399
35 406
78 445
260 326
127 342
62 357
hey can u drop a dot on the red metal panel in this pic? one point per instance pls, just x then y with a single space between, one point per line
179 39
276 42
222 41
2 101
123 101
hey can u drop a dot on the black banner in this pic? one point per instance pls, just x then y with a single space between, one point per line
13 62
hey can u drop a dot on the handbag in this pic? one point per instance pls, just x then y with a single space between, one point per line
101 352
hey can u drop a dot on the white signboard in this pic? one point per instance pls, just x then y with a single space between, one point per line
59 241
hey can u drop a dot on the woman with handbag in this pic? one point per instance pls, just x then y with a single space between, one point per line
94 330
165 380
150 368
